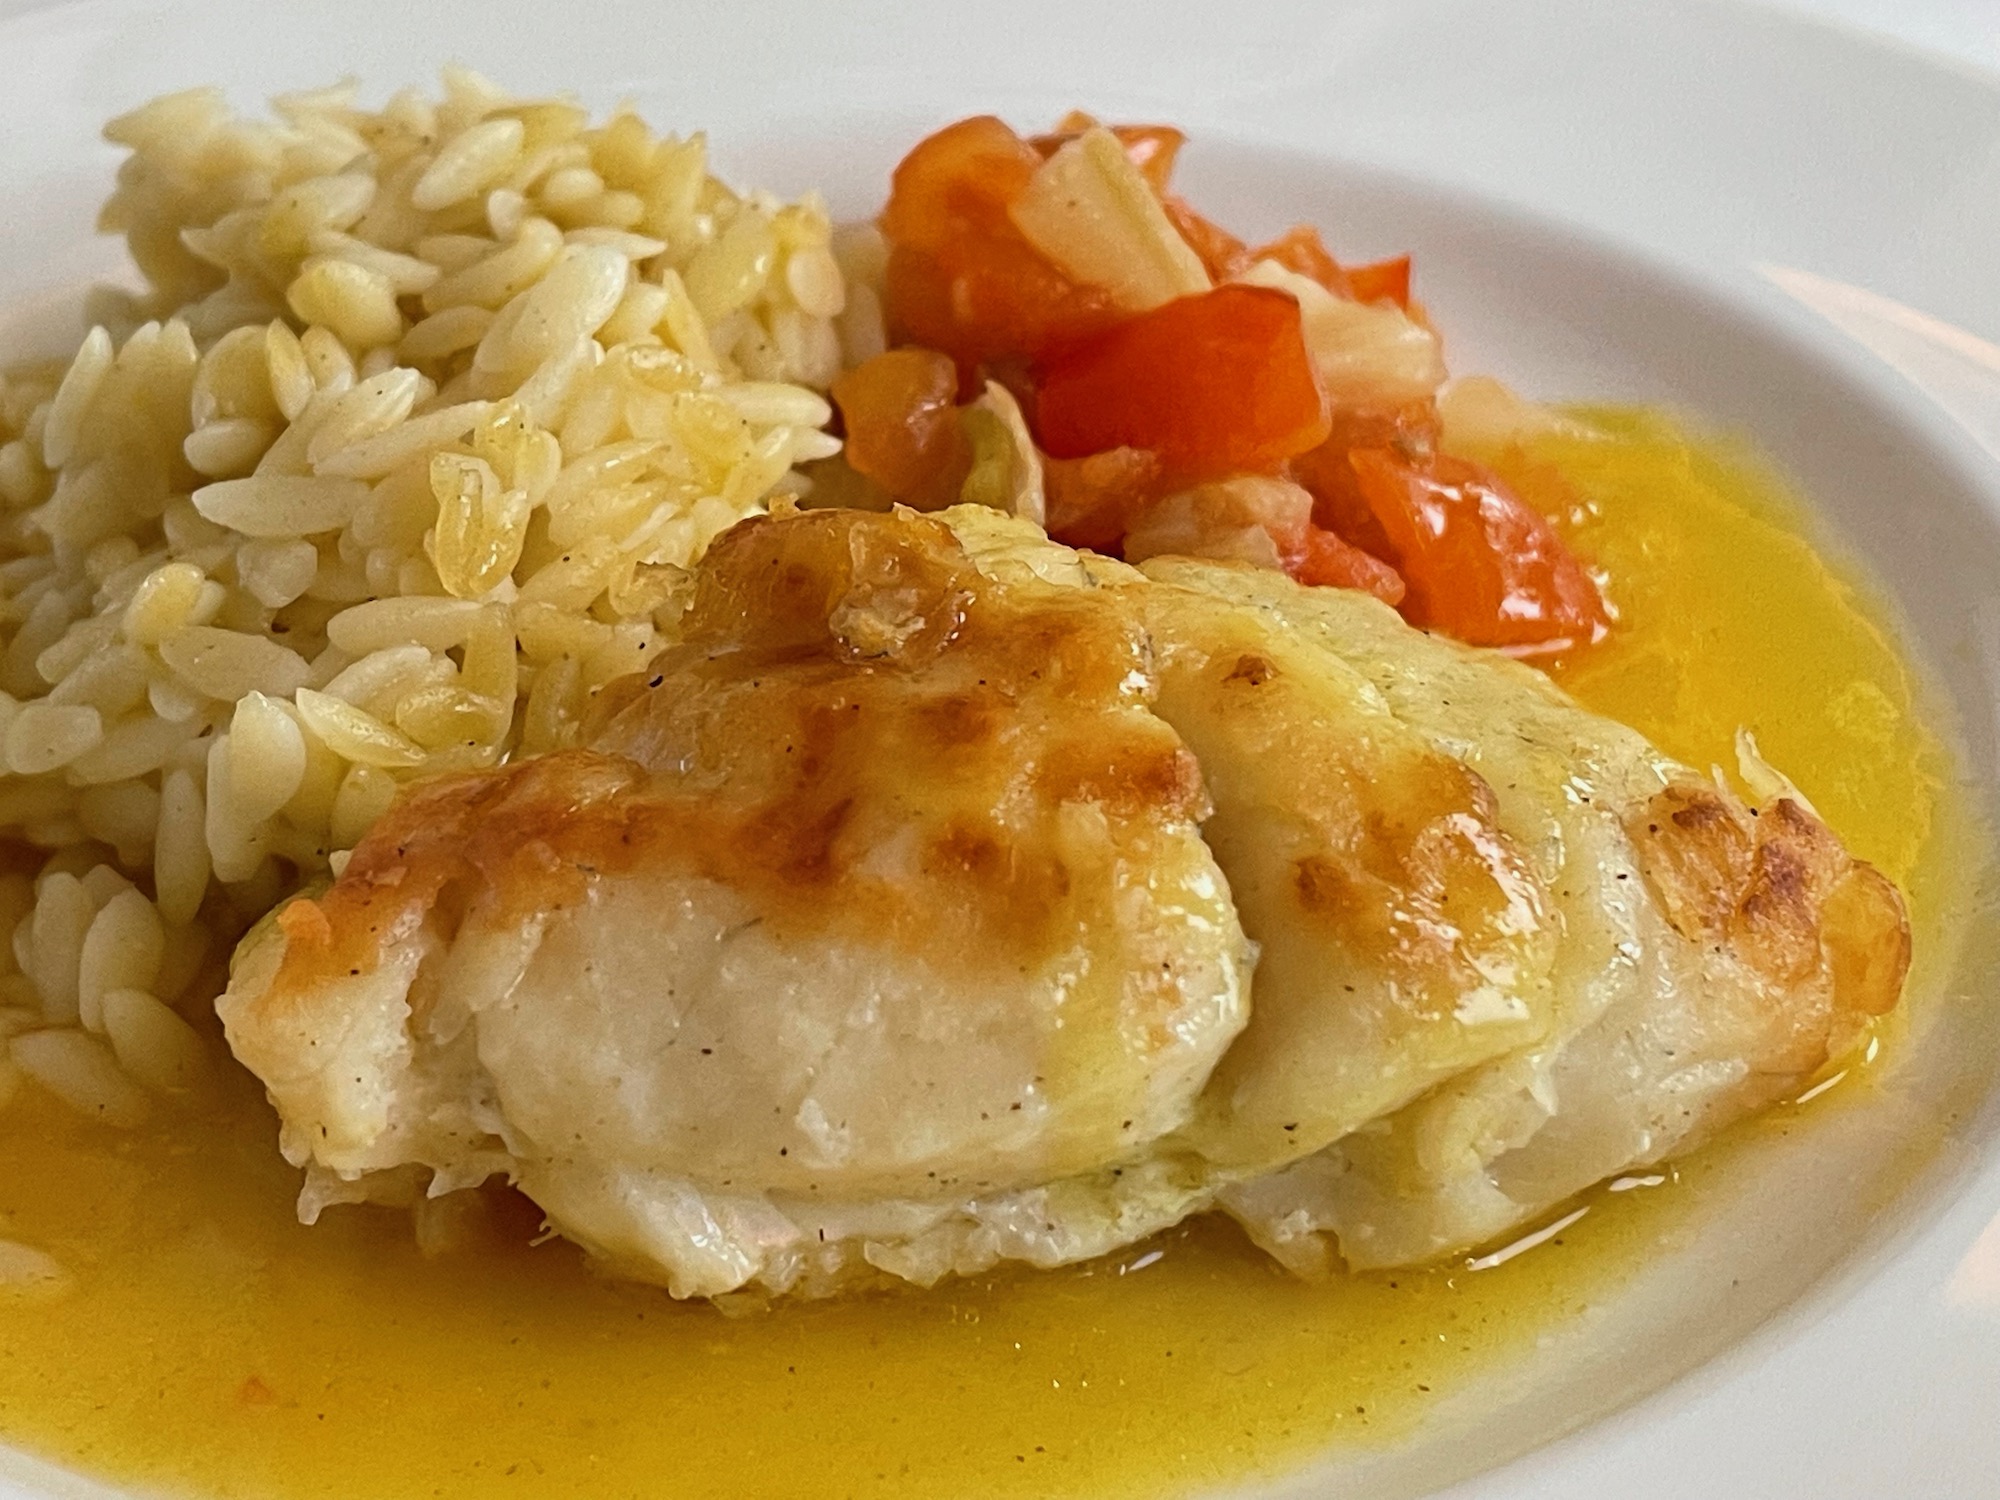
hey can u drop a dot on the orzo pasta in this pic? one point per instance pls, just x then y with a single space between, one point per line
393 464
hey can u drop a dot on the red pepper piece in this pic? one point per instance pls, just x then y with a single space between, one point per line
1215 384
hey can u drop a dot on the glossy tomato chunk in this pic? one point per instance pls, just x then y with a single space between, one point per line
1479 563
1410 429
1215 385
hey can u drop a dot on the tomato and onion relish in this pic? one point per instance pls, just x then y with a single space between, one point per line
1186 391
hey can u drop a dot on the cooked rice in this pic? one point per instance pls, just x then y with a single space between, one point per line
395 464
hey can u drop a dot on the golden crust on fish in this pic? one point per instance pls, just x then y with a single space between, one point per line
884 885
893 923
1402 935
1710 960
1816 940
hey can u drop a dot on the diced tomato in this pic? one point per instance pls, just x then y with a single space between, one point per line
1298 249
1411 429
1326 559
1381 281
955 182
1216 384
903 428
1092 501
1133 411
1222 254
961 278
1479 563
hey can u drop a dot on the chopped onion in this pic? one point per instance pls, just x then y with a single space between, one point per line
1089 210
1765 782
1480 413
1247 519
1366 351
1006 467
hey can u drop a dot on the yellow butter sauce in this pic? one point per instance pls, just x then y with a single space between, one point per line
1731 618
206 1344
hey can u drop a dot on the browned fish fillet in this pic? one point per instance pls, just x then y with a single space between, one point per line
894 923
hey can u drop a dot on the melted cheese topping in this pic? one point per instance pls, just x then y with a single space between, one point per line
204 1341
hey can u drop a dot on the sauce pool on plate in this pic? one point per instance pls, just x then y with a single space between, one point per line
201 1341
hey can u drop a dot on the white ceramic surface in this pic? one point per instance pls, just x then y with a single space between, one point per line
1784 228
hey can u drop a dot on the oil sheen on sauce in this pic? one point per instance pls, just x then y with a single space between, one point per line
205 1344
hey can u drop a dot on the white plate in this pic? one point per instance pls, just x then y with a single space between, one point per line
1783 228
